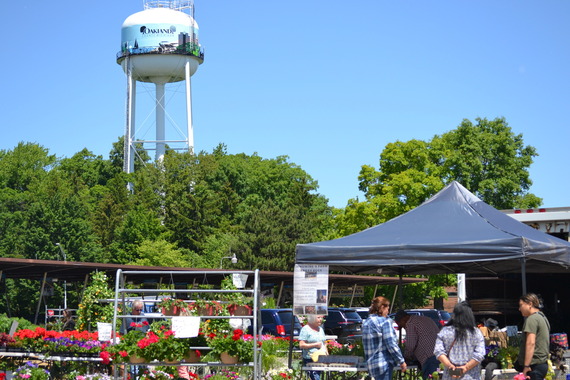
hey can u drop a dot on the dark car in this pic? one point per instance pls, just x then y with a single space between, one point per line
277 322
440 317
345 323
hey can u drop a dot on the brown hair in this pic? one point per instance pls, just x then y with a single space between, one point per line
532 299
377 303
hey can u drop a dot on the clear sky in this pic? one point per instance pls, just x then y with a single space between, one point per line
327 83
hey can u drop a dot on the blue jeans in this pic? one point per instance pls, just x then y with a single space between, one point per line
386 375
429 366
313 375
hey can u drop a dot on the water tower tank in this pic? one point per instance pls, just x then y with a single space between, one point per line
159 45
159 42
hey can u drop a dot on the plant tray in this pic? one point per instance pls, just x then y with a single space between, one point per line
340 359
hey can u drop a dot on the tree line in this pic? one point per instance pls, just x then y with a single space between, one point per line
191 210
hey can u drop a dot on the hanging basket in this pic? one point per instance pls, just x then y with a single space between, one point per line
228 359
134 359
240 310
191 357
172 311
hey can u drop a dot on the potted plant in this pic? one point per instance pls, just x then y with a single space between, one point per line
206 307
231 348
126 350
5 341
194 348
155 374
31 371
172 306
236 301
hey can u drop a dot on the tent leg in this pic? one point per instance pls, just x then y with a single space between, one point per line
351 298
40 300
523 275
393 298
280 293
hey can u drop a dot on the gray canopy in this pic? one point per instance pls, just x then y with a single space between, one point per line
452 232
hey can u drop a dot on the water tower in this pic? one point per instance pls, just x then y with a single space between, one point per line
159 45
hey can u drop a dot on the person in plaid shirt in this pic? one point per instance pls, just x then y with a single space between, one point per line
381 350
421 333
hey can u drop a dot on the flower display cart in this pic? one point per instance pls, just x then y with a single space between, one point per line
125 292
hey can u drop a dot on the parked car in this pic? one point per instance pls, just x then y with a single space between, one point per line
345 323
277 322
440 317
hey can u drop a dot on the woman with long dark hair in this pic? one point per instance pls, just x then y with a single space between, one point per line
460 345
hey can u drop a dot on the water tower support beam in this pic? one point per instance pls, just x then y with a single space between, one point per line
129 148
190 127
160 122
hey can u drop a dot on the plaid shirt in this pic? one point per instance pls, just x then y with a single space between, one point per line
421 333
380 343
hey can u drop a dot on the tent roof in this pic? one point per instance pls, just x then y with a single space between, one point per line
452 232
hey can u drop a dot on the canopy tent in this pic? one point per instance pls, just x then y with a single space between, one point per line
452 232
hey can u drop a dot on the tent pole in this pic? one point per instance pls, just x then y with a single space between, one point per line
352 298
400 292
394 297
41 296
523 275
280 293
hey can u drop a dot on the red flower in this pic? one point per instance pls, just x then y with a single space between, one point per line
123 353
145 323
106 356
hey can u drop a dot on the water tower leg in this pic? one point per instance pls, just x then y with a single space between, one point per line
190 133
129 148
160 122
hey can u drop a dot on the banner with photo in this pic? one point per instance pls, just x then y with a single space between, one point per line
310 289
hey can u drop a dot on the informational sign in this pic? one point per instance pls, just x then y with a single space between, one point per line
50 313
310 289
347 291
239 280
185 327
104 331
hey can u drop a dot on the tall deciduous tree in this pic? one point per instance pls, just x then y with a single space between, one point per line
486 157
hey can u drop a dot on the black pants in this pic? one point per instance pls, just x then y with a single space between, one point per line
537 371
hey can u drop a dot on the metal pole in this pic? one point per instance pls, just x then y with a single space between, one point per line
523 275
190 131
64 281
160 122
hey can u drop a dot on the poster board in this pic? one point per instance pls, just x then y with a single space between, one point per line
310 289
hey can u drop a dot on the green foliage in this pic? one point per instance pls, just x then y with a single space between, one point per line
6 323
92 309
160 253
487 158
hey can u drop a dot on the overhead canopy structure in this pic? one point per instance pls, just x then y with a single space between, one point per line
80 271
452 232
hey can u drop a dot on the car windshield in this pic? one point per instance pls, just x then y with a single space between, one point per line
352 315
286 318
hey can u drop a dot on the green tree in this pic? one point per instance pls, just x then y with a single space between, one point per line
486 157
160 253
489 160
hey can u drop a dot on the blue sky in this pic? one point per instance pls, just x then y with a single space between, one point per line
327 83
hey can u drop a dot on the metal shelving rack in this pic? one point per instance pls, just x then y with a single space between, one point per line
254 292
